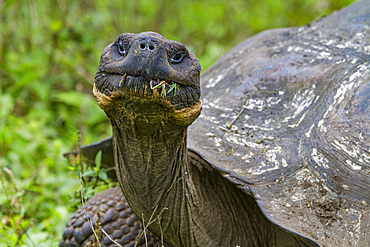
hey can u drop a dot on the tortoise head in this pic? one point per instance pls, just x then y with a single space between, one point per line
148 75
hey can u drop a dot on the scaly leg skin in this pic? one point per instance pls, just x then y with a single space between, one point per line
116 219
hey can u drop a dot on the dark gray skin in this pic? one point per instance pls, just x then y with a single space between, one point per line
174 189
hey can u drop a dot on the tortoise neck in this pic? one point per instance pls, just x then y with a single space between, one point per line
148 162
176 193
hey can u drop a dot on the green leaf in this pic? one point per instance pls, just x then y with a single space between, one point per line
72 98
175 87
55 26
103 175
98 159
88 173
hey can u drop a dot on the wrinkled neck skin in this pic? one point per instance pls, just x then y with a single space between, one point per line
150 159
181 196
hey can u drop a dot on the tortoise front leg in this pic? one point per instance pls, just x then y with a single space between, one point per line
116 218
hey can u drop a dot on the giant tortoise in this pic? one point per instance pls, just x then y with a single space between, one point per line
279 154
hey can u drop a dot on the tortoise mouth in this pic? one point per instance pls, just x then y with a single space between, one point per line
154 89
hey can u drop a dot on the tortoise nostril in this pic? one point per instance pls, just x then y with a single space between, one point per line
147 44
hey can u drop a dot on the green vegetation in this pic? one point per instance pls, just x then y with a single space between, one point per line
49 51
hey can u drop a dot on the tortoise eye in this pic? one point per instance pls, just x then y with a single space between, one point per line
121 48
177 58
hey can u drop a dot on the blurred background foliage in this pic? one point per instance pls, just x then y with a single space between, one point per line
49 51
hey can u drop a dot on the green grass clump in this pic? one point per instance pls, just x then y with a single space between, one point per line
49 52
